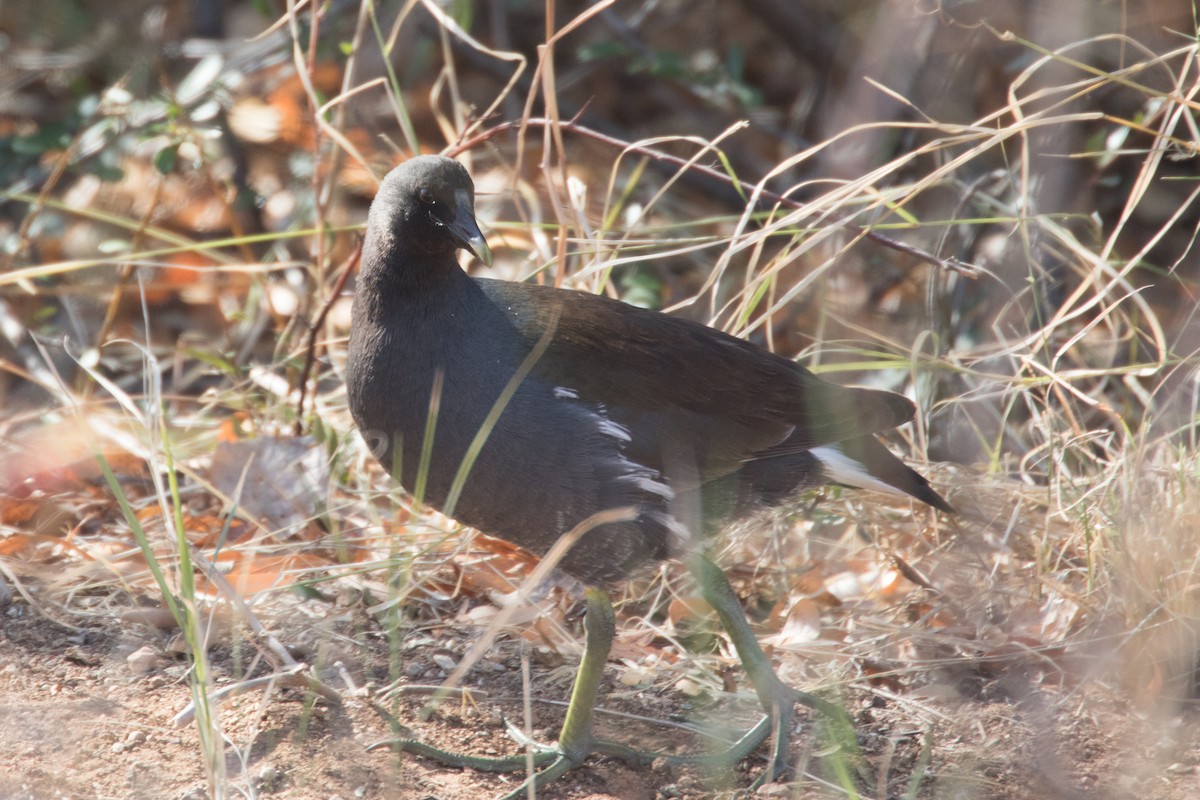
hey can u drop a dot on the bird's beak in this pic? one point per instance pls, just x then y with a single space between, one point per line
466 230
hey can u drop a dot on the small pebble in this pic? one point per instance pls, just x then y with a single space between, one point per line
142 660
267 775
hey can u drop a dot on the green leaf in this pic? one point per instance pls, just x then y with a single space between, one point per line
164 159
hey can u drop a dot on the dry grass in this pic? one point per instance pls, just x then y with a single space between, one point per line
1041 314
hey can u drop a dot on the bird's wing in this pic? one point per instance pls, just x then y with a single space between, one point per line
639 362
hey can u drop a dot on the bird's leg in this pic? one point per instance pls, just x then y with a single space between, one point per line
575 741
599 627
777 698
575 737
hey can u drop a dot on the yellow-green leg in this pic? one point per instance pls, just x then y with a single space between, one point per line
575 741
777 698
575 738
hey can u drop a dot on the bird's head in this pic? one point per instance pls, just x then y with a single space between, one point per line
429 202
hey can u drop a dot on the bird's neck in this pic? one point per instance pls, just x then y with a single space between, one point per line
393 272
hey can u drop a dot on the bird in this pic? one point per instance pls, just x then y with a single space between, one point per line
524 410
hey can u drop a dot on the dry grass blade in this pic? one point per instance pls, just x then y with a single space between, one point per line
1044 645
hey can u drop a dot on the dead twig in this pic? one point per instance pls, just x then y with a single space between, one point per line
951 264
310 351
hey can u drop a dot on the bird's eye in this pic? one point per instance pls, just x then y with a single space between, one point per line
425 196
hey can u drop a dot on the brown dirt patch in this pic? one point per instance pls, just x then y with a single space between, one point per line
74 722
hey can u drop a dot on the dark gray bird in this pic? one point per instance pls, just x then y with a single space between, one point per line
522 410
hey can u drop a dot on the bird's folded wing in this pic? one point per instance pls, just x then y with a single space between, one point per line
641 362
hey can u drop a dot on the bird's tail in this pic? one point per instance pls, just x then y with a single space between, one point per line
867 464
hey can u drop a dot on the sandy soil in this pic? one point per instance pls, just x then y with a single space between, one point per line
76 722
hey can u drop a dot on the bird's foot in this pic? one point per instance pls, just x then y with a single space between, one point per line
775 726
550 761
838 731
576 743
